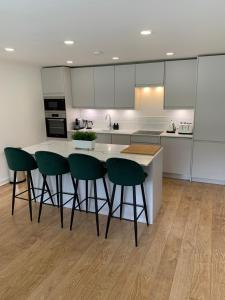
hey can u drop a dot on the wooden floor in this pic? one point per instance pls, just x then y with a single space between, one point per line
181 256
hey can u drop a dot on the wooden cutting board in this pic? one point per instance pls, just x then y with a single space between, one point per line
142 149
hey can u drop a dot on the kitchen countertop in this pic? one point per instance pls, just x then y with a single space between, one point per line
132 132
101 151
100 130
176 135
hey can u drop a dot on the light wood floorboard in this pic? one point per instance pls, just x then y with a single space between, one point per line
180 257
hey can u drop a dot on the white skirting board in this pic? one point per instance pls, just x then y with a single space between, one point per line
4 181
176 176
211 181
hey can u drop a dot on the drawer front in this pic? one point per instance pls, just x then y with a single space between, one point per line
121 139
104 138
143 139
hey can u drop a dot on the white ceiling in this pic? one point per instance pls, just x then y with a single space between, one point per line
37 29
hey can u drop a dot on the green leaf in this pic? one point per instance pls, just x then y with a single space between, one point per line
84 135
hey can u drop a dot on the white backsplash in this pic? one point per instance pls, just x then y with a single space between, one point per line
148 113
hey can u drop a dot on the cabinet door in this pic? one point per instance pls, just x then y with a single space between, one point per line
83 87
177 156
150 74
53 81
104 138
180 84
124 86
143 139
104 87
121 139
209 162
210 107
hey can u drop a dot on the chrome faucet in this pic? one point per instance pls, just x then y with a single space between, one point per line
109 121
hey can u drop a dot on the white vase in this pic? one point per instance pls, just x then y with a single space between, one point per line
80 144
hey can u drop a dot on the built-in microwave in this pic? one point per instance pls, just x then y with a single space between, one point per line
55 104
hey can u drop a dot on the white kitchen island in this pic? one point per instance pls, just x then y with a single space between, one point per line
152 166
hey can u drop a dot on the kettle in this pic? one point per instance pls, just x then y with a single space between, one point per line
89 124
79 124
171 128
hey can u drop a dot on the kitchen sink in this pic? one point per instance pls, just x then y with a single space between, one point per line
148 132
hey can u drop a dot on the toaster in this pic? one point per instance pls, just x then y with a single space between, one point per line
185 128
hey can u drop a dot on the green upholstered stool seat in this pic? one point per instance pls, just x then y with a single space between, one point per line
126 173
52 164
87 168
19 160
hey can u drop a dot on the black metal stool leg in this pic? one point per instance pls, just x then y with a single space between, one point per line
29 195
76 192
42 198
32 185
74 202
49 192
135 215
110 211
14 192
61 200
144 202
96 207
106 192
57 188
121 202
86 195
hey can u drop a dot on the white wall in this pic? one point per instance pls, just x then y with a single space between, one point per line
149 112
21 109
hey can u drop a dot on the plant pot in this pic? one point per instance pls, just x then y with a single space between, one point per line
81 144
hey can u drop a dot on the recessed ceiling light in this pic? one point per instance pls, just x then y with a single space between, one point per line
115 58
9 49
68 42
146 32
69 62
169 53
98 52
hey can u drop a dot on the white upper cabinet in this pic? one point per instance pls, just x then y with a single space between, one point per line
83 87
210 107
53 81
125 86
104 82
180 84
150 74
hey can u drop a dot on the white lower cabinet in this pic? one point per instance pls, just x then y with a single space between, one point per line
209 162
121 139
177 154
104 138
144 139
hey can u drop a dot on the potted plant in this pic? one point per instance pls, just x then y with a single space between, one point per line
84 139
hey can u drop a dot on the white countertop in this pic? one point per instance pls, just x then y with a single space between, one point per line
101 151
131 132
100 130
176 135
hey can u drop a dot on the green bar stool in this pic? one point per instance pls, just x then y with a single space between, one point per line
20 160
52 164
125 172
88 168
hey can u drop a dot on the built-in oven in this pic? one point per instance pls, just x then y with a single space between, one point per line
55 104
56 124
